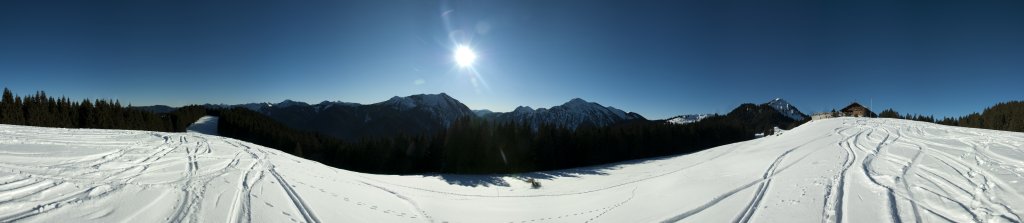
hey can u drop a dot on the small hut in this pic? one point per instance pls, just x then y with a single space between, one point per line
857 110
822 115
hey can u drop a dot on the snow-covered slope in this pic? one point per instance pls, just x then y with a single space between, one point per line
205 125
787 109
842 169
687 119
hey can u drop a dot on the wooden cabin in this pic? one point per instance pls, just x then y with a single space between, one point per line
857 110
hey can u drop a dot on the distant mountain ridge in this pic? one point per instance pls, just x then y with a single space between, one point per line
410 115
424 113
572 114
779 105
441 106
429 113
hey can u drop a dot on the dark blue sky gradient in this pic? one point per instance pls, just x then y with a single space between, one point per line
656 58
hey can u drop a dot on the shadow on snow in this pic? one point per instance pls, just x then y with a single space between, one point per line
487 180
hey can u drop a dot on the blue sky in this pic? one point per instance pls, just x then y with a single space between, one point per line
657 58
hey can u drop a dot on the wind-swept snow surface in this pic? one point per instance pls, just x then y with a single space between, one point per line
835 170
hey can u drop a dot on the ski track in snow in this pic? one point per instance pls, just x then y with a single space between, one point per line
835 170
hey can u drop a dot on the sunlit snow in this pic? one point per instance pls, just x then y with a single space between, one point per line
842 169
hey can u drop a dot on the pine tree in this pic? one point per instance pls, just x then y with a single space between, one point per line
889 113
7 108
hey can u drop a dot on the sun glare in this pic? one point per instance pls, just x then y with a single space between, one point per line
464 56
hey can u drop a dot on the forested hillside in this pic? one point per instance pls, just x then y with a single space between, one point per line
475 145
42 110
251 126
1007 116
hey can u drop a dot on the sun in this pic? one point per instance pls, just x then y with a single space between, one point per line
464 56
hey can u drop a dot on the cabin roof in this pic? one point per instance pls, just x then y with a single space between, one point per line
853 105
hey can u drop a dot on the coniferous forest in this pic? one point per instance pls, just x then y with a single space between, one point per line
1006 116
46 111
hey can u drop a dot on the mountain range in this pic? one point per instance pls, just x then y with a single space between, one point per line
767 113
411 115
573 114
428 113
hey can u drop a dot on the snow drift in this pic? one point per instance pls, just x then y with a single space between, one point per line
836 170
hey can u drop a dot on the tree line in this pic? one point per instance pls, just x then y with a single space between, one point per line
1006 116
46 111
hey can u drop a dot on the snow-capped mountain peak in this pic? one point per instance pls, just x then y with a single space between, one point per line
441 106
400 102
433 100
441 100
328 104
780 103
787 109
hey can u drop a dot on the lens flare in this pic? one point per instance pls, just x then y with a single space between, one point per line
464 56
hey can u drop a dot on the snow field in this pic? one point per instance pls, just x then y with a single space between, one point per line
834 170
